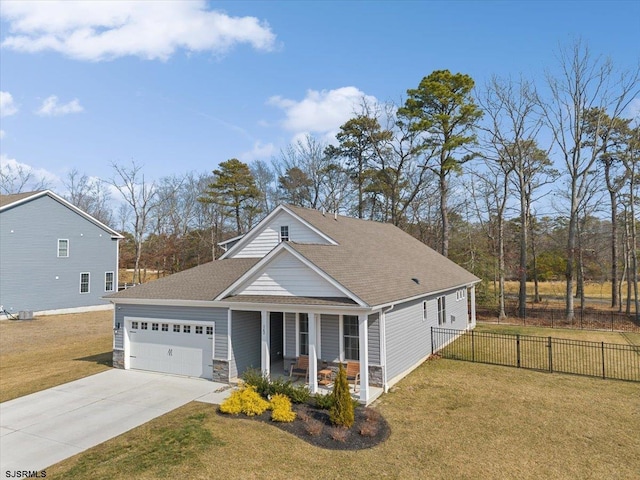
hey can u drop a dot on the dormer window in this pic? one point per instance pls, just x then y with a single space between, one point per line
284 233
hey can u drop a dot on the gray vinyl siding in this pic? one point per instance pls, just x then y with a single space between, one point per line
245 342
330 338
269 237
217 315
118 338
33 276
408 336
290 333
374 339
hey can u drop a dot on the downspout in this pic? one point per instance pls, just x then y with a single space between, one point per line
383 345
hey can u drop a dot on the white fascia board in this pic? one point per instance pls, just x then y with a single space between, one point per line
250 274
262 223
59 199
295 308
422 295
164 302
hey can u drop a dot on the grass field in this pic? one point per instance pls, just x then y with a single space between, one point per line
51 350
449 420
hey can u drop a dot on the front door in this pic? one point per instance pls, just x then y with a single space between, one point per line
276 338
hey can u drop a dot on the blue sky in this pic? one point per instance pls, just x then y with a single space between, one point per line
182 86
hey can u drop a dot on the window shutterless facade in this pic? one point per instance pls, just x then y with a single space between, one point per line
304 334
284 233
63 248
84 282
442 311
108 281
351 337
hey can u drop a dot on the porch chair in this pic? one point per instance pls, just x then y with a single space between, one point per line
353 374
300 368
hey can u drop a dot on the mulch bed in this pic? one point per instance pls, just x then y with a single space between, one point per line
313 426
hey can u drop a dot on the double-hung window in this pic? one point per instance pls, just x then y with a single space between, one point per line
351 337
304 334
84 282
108 282
284 233
442 311
63 248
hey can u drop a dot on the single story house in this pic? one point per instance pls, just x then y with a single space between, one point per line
54 257
301 282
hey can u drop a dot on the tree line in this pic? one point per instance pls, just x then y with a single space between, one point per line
467 169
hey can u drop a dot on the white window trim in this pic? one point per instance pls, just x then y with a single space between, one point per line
342 349
68 246
460 294
113 281
442 314
88 274
288 233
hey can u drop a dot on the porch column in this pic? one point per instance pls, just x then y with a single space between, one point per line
313 354
264 343
363 345
473 305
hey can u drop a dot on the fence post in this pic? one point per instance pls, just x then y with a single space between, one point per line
603 371
431 340
549 346
473 347
518 349
612 321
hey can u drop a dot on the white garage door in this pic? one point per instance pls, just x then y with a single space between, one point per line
177 347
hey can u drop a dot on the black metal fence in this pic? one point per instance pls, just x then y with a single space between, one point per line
594 359
587 319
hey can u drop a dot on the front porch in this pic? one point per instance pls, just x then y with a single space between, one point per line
279 370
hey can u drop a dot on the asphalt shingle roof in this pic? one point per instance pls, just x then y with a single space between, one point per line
204 282
378 262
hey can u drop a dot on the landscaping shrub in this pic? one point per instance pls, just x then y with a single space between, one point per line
245 400
369 429
268 388
281 409
313 427
325 402
339 434
342 411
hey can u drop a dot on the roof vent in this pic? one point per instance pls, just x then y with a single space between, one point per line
416 280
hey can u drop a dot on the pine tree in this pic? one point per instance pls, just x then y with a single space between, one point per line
342 412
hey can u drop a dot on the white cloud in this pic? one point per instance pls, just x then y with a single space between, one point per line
17 175
321 112
50 107
260 151
7 105
633 111
2 134
102 30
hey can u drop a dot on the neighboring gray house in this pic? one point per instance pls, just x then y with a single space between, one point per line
300 283
53 256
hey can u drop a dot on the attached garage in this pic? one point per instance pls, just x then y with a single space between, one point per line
178 347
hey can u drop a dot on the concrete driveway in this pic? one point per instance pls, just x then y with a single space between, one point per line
46 427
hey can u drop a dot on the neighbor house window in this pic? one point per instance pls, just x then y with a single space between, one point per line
460 294
186 329
284 233
154 326
63 248
198 329
442 319
108 282
209 330
84 283
134 325
176 328
165 327
351 338
304 334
